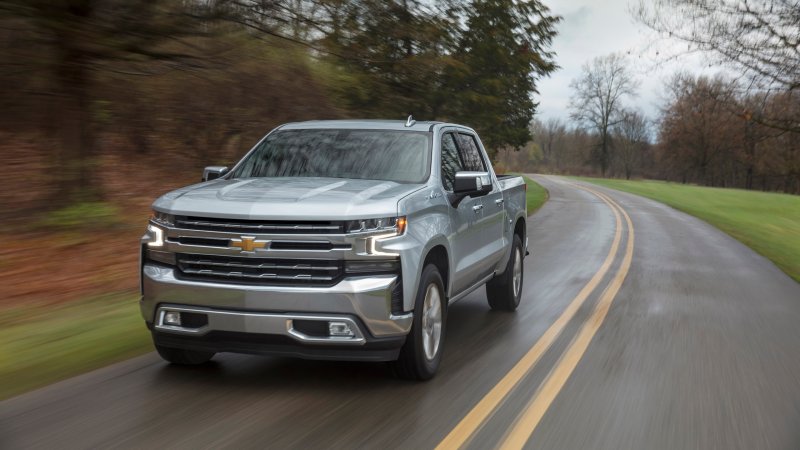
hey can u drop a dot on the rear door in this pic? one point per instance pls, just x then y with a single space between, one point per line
465 237
491 222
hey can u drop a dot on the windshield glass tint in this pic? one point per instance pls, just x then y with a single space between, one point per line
400 156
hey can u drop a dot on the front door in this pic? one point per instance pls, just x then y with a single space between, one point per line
465 235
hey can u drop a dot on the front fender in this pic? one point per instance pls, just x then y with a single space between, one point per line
428 226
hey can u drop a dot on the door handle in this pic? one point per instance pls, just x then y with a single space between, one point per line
499 202
477 208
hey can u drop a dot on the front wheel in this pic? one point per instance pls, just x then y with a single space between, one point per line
505 290
420 356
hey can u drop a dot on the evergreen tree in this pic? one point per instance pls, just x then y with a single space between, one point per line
502 52
397 52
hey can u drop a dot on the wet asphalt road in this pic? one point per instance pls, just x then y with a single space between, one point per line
700 349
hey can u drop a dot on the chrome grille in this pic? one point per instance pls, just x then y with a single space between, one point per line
263 271
260 226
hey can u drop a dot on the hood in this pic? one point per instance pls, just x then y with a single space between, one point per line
287 199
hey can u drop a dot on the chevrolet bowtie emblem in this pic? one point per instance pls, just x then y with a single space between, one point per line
248 243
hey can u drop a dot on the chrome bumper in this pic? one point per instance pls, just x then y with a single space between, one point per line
259 323
249 308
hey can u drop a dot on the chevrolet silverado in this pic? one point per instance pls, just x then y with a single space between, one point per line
340 240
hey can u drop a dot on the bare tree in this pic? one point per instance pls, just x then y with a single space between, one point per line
761 40
631 140
597 99
549 135
698 135
554 135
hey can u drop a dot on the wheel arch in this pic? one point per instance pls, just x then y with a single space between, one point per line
439 256
438 252
520 229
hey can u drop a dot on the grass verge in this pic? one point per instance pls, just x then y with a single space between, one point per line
768 223
40 344
535 196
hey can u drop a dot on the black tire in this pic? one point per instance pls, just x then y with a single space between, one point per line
184 357
500 290
413 362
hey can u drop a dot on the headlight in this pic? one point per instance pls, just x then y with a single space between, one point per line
168 220
387 224
155 235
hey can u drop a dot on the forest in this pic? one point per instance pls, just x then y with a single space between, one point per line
101 97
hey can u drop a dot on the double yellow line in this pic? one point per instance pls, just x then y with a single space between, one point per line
526 423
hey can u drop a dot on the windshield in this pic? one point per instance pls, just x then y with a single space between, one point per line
401 156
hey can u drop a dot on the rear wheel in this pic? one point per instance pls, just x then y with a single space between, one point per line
505 290
422 352
183 357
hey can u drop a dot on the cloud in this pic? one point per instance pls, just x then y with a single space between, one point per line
590 29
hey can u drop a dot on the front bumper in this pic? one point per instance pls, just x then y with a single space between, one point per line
247 314
373 350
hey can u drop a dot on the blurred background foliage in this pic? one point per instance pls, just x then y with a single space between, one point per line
90 86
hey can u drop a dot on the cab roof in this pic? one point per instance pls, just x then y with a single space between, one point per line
396 125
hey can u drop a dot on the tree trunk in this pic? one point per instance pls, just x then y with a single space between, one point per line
75 171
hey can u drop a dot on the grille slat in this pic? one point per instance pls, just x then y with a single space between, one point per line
260 226
270 265
262 276
261 270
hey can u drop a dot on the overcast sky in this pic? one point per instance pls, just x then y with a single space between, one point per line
596 28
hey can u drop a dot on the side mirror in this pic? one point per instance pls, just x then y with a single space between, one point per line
214 172
474 184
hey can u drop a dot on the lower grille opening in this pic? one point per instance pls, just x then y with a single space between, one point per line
314 328
397 298
193 320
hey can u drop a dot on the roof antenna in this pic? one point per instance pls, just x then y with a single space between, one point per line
410 121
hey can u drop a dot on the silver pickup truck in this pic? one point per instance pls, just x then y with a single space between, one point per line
341 240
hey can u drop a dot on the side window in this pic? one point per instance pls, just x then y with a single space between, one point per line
451 162
470 153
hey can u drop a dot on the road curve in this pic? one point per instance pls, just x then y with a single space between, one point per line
686 340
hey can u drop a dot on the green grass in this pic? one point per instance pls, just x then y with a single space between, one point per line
536 195
43 344
85 214
766 222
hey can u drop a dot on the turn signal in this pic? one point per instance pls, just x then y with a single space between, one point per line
401 225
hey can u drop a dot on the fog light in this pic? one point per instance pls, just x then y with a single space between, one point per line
172 318
340 329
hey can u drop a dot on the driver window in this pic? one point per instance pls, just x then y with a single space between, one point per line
451 162
470 153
